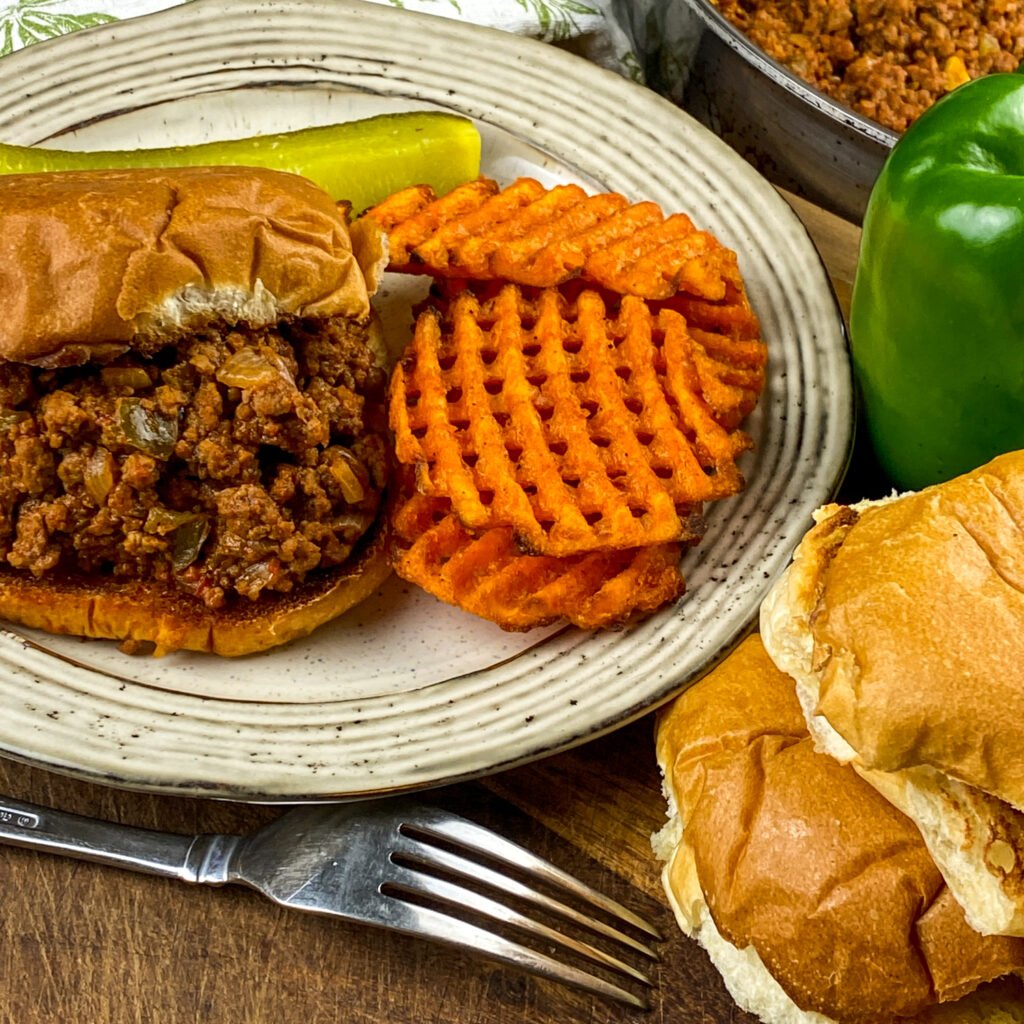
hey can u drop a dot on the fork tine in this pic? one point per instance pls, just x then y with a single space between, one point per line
414 883
430 923
469 836
461 867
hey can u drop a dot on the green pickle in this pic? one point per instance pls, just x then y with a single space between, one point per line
361 162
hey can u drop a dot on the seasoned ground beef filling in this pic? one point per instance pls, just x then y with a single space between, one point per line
233 464
887 59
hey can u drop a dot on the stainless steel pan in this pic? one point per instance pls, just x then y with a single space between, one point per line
795 135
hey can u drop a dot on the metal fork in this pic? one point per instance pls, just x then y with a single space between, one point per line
397 864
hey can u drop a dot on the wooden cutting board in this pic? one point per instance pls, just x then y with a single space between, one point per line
82 944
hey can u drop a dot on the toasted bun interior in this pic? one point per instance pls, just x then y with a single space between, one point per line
96 262
803 869
902 623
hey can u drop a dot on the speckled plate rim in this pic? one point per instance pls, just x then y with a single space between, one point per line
573 686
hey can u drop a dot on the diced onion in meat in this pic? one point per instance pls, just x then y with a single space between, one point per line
249 367
164 520
125 377
11 418
99 475
346 469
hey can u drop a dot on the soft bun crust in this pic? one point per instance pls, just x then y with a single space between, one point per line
153 614
911 628
798 860
96 262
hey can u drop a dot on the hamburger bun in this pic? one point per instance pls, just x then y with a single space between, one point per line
96 262
231 306
815 898
902 623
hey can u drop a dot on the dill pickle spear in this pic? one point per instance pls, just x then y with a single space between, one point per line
359 161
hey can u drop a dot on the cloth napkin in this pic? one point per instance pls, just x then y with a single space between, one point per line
640 39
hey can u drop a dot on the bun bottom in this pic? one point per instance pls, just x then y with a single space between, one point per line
141 613
744 974
752 985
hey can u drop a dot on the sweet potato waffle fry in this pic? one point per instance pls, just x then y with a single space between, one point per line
729 356
489 576
530 235
578 429
570 400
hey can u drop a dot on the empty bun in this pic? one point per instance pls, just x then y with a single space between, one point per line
908 616
799 878
148 613
97 262
902 622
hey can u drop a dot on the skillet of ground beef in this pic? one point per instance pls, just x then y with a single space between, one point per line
236 462
887 59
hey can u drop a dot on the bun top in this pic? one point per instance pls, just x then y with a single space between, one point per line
94 262
910 617
801 859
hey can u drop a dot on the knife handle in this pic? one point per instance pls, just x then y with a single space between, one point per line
204 858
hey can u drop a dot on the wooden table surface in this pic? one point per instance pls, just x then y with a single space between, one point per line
83 944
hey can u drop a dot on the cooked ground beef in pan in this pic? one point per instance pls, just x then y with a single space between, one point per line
236 462
887 59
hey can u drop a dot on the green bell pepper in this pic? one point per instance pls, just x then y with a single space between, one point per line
937 315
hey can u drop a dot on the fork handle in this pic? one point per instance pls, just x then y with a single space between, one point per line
204 858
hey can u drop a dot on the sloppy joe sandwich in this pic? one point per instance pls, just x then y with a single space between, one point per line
902 623
192 420
815 898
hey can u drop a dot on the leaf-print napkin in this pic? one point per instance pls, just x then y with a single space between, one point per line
604 31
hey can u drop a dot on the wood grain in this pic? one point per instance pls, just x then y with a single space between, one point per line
837 240
85 944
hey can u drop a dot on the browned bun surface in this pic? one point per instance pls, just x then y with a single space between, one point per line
801 861
142 613
97 261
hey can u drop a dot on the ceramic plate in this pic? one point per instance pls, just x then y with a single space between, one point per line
405 692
